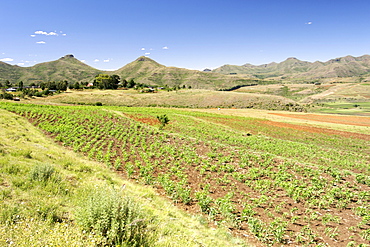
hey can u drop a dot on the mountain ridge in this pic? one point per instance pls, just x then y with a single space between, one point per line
148 71
293 68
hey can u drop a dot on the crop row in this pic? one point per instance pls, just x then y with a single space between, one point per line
228 177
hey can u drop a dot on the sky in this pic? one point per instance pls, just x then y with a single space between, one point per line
192 34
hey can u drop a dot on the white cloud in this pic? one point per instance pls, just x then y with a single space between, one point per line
308 23
147 53
106 61
46 33
41 42
6 59
165 48
64 34
20 64
143 49
83 61
96 60
32 35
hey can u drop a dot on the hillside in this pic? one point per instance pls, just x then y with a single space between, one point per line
148 71
294 69
66 68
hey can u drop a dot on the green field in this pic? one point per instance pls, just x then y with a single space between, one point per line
355 108
43 186
269 182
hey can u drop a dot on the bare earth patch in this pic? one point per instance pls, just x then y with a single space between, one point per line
350 120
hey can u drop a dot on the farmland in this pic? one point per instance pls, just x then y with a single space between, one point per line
267 180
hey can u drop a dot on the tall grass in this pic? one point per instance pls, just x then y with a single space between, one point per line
118 219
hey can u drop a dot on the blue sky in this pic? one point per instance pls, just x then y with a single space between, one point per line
188 34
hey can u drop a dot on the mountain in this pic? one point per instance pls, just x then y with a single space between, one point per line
148 71
66 68
293 68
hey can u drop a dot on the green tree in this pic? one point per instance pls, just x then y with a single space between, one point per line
104 81
76 85
124 83
131 83
115 80
8 84
20 85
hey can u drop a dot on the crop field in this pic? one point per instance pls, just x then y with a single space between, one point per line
270 182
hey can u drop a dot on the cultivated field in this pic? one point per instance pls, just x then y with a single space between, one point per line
272 178
44 188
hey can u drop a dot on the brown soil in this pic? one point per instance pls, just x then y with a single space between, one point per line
350 120
318 130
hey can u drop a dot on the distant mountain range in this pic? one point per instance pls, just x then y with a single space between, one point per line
293 68
142 70
148 71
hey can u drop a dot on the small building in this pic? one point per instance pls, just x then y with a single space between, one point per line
12 89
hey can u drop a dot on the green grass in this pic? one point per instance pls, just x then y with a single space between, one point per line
346 108
42 185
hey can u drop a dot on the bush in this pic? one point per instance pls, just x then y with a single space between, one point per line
43 173
98 103
6 96
164 120
118 219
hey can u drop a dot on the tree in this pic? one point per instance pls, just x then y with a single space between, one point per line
20 85
76 85
104 81
62 85
7 83
124 83
131 83
115 80
164 120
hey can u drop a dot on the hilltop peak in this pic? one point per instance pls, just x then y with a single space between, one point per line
68 56
144 58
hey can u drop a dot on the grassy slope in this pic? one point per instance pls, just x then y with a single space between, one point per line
23 147
146 70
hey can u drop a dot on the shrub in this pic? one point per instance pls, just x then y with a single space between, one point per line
118 219
164 120
43 173
98 103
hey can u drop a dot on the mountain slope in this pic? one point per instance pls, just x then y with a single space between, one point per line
66 68
294 68
146 70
